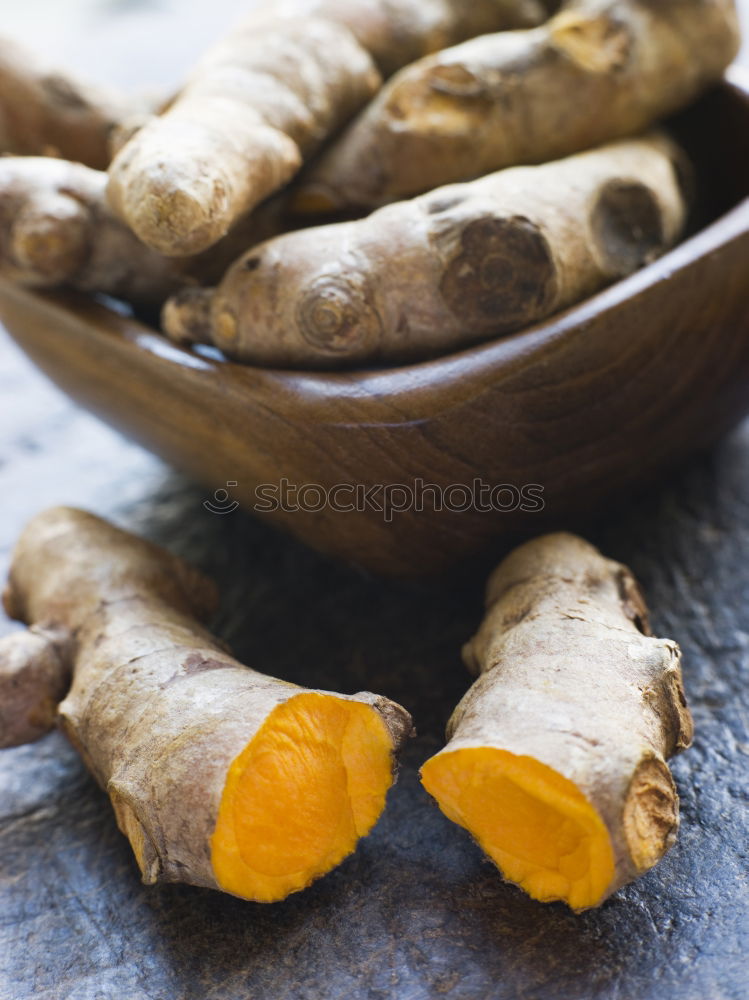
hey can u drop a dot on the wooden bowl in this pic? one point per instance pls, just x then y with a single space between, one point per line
588 405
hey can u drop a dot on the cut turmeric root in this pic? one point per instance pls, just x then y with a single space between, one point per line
297 799
556 756
218 775
535 825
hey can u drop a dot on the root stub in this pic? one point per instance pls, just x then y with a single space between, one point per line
535 824
300 795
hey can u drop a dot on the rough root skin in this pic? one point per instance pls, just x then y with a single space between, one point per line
575 711
458 265
215 772
46 113
599 70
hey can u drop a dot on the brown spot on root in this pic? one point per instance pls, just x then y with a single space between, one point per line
447 96
679 725
143 847
651 813
398 721
333 318
633 602
599 44
504 273
628 227
196 663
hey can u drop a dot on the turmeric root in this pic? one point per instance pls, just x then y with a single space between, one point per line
218 775
460 264
600 70
258 103
56 228
556 756
264 99
44 112
398 32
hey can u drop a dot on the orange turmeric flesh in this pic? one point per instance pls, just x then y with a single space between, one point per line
310 783
535 824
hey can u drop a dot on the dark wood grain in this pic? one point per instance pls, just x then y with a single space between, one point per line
589 405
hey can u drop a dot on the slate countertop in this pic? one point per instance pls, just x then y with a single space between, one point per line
416 913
